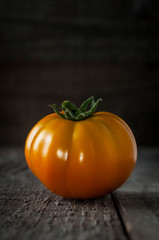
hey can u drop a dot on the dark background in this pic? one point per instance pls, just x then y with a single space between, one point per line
56 49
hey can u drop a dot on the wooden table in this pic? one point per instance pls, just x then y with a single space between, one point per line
29 211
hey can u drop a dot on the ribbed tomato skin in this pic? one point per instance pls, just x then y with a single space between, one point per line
81 159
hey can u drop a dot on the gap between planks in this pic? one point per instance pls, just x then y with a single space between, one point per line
125 231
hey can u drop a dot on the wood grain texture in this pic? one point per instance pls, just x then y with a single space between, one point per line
137 200
29 211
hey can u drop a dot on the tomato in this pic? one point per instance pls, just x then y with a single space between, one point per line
81 159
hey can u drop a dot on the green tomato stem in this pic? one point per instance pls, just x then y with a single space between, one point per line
71 112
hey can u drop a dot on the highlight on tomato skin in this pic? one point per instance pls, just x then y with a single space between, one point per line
77 153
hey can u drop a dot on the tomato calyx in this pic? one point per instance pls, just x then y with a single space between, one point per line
71 112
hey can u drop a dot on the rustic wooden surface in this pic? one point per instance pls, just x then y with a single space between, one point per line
29 211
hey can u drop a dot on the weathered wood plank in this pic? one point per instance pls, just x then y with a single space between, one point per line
29 211
138 199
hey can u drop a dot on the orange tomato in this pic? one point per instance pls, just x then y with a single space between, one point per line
81 159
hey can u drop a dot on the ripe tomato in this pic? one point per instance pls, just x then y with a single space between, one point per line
81 158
